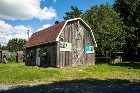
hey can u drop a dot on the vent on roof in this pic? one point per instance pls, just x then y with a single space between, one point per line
56 22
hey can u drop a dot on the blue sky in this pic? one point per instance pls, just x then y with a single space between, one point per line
18 16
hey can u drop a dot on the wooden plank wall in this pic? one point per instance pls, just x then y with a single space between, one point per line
30 61
64 58
19 56
48 61
90 58
68 58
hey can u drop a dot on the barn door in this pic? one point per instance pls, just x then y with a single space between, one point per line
38 57
78 48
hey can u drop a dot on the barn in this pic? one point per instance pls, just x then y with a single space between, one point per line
67 43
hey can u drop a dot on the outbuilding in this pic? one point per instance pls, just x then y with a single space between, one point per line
67 43
19 56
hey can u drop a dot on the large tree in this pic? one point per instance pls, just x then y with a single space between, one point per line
107 26
73 14
130 12
16 44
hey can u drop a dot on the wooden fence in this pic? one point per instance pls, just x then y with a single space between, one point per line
11 56
115 57
102 60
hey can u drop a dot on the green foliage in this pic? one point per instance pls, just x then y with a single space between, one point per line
129 11
16 45
107 27
4 48
12 58
13 73
75 13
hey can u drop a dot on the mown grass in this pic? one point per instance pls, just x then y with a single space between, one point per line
18 73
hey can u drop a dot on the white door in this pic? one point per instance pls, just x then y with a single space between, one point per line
38 57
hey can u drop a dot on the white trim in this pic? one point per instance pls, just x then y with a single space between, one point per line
57 39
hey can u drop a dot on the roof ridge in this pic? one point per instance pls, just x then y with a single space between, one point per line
50 26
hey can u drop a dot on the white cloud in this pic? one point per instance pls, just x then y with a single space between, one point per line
8 31
44 26
46 13
24 10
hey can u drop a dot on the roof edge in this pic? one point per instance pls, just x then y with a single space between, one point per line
40 44
57 39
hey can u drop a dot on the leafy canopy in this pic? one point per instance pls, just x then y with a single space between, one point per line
107 27
130 12
16 45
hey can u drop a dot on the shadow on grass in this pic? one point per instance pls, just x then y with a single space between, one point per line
80 86
130 65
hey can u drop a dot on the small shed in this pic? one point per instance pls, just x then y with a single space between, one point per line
6 53
67 43
19 56
116 57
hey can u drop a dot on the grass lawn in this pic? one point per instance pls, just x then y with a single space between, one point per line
18 73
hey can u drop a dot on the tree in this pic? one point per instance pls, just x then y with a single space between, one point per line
3 47
129 11
107 27
16 44
73 14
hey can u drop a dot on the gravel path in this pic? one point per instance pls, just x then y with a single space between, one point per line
77 86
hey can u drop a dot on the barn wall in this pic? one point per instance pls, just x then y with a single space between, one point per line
90 58
50 59
47 60
76 56
30 56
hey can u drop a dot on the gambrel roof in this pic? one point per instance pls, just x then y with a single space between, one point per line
52 33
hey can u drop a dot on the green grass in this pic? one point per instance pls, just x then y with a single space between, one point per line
18 73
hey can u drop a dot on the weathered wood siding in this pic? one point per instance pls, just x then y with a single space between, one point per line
30 56
49 60
79 35
19 56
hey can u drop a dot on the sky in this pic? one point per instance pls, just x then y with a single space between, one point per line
19 16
